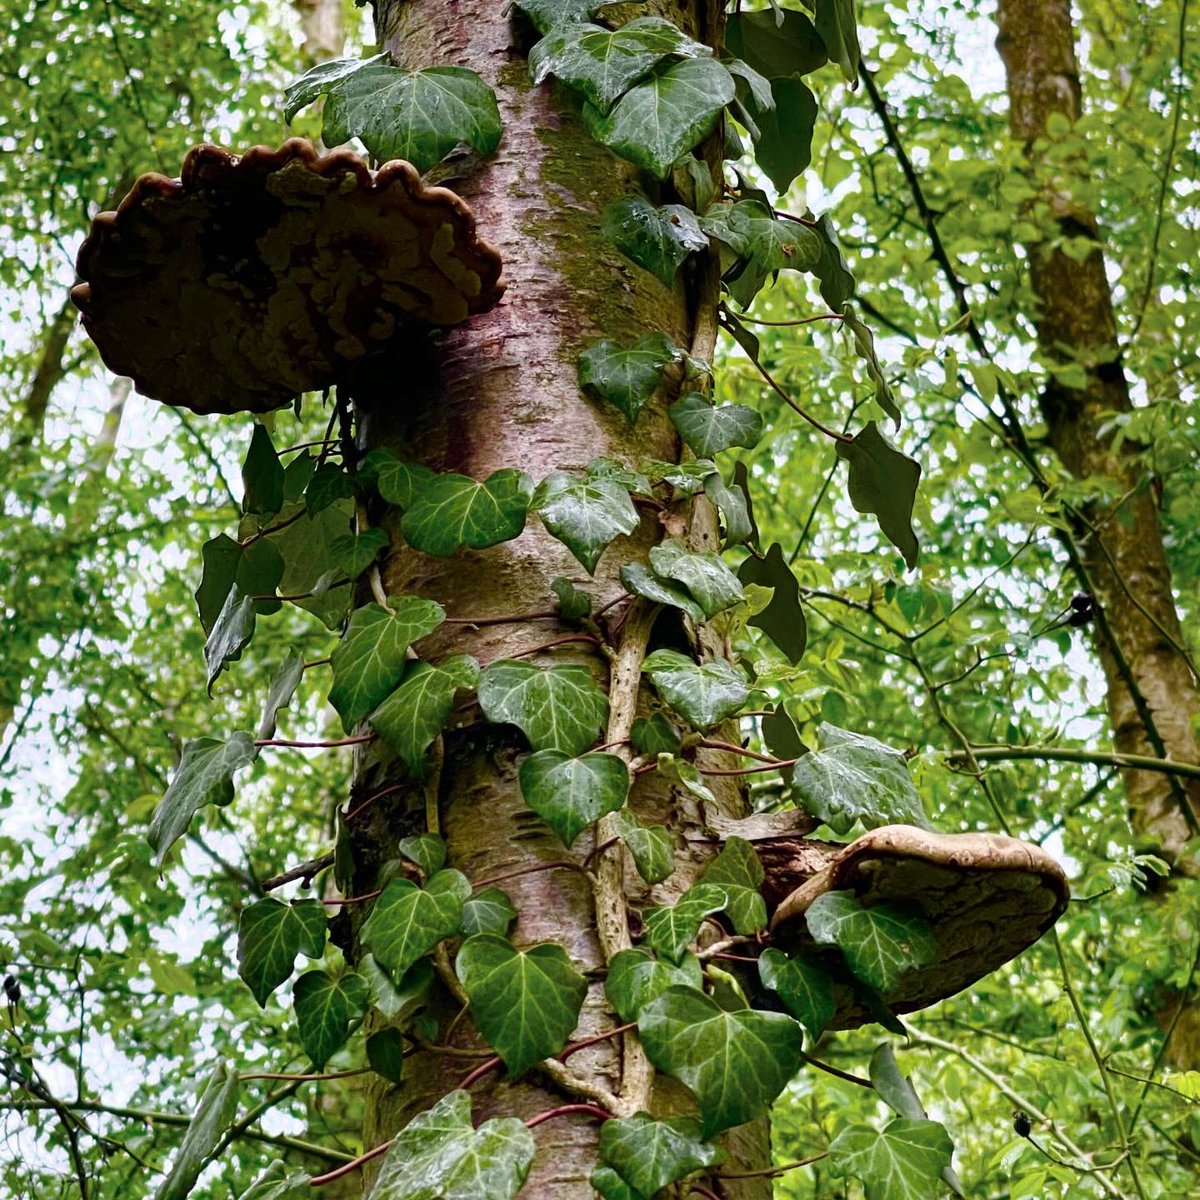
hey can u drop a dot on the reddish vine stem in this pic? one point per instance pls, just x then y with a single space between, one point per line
382 794
350 1167
485 1068
565 1110
730 748
783 1169
550 866
509 619
800 412
357 740
312 1077
591 639
592 1041
336 900
781 765
698 1189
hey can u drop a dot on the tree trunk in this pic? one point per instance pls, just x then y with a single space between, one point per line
1151 688
502 391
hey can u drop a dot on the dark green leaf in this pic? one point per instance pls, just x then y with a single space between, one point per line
325 1010
837 283
655 735
852 778
259 571
804 986
903 1162
556 708
306 546
781 736
883 481
783 619
417 710
279 695
262 476
213 1116
328 485
525 1003
670 928
783 146
270 935
371 657
573 604
452 511
839 31
320 79
640 581
773 49
635 977
296 476
708 429
626 378
658 239
396 1001
427 850
630 480
650 1154
230 635
276 1184
407 922
652 846
739 874
397 482
204 776
220 556
415 115
733 503
879 943
585 514
751 87
762 242
351 554
659 120
708 580
385 1053
570 793
735 1063
610 1186
547 14
704 694
489 912
864 347
687 477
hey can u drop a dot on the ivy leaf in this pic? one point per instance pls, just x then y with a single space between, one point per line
270 935
878 943
635 977
214 1114
655 735
762 243
626 378
709 581
396 1001
385 1054
837 283
415 115
658 239
584 514
686 478
650 1154
452 511
305 545
316 82
640 581
709 429
733 503
704 694
371 657
352 553
864 347
275 1184
547 14
671 928
397 482
739 874
556 708
204 776
325 1010
417 710
735 1063
780 734
328 484
610 1186
230 635
775 48
631 481
279 695
603 64
659 120
220 557
262 476
783 619
651 846
679 770
903 1162
490 912
427 850
407 922
783 147
852 778
751 87
803 985
573 604
438 1154
839 31
525 1002
883 481
570 793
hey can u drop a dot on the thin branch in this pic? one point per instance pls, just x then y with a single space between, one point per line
1099 758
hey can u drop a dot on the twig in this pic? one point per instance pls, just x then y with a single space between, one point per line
350 1167
565 1110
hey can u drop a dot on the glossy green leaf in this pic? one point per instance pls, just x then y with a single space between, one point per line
573 603
352 553
780 734
325 1009
279 695
418 709
270 935
783 619
838 28
546 14
658 239
804 985
853 777
407 921
316 82
671 928
687 775
230 634
626 378
556 708
585 514
704 694
762 243
610 1186
652 846
306 546
837 283
491 911
686 478
904 1161
525 1002
660 119
631 480
569 794
734 1063
878 943
452 511
427 850
385 1053
214 1114
439 1156
708 580
783 144
396 1001
883 481
650 1154
220 557
419 116
275 1183
732 501
773 48
204 776
371 657
641 581
397 482
635 977
262 476
655 735
739 874
328 484
709 429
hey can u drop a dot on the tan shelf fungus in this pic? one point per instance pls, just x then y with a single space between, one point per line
987 897
253 278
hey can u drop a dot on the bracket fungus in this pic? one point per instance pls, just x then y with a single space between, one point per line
985 896
253 278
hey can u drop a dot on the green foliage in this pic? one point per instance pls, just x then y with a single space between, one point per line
671 928
326 1008
491 911
658 239
739 874
709 428
569 794
408 921
651 846
883 481
585 513
783 618
650 1154
635 977
904 1161
556 708
706 578
704 694
214 1113
416 711
271 934
802 984
451 511
626 378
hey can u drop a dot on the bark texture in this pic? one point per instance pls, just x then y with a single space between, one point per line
502 391
1151 688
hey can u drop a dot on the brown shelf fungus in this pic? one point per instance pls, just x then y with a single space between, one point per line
253 278
987 898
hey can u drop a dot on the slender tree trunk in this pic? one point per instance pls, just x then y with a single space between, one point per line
1152 694
501 391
